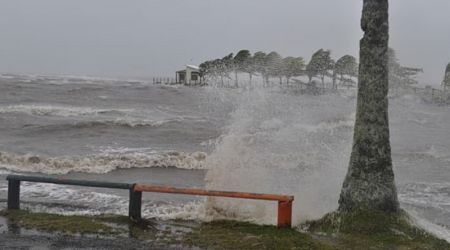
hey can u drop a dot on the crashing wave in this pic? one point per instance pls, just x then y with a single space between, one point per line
118 122
49 110
102 163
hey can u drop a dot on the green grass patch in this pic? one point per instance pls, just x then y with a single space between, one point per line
373 230
74 224
240 235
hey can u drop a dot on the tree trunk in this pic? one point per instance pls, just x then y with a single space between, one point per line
334 82
236 79
370 184
250 78
323 82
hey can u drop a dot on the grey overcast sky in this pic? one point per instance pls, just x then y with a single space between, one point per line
145 38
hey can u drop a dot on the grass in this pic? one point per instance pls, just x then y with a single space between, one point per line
373 230
362 230
240 235
74 224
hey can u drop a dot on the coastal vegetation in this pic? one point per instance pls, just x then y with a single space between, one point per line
273 68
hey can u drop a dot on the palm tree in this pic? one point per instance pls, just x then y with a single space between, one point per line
259 64
274 64
293 67
345 66
369 184
320 65
240 63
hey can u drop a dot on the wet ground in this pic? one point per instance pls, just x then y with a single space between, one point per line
14 237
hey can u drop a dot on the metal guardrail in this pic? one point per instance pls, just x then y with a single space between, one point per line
66 181
136 189
284 201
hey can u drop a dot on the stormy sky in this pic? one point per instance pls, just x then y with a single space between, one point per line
145 38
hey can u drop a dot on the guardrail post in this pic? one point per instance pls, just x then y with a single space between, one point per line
134 209
13 194
284 214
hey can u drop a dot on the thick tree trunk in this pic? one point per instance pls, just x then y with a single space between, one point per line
370 184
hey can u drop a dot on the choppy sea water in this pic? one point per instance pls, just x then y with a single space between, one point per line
257 140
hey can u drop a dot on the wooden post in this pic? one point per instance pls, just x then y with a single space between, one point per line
13 194
134 208
284 214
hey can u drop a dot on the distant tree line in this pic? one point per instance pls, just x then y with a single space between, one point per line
400 76
321 66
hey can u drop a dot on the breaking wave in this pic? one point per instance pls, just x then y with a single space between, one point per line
62 111
282 144
102 163
118 122
439 152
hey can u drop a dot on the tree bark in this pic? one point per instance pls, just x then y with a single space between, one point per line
323 82
370 184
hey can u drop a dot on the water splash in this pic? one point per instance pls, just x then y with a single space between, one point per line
282 143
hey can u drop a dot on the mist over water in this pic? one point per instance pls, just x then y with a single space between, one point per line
255 139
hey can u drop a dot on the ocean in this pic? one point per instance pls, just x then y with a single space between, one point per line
253 139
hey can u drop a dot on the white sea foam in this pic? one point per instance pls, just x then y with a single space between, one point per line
69 79
63 111
4 172
98 117
437 230
436 151
40 197
102 163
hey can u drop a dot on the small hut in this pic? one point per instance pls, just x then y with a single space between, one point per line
189 76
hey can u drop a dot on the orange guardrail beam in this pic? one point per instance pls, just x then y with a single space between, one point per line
284 201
